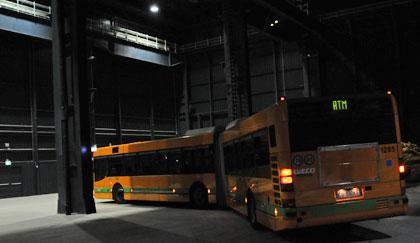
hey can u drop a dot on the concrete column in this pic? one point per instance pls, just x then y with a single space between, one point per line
71 107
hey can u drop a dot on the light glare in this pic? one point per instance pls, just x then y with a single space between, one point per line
154 9
402 169
285 172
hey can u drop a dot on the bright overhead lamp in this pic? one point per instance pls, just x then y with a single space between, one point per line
276 21
154 8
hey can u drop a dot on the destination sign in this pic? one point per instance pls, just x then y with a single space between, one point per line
339 105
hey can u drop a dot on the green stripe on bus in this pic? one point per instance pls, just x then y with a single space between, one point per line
326 210
102 190
345 207
267 208
151 190
160 190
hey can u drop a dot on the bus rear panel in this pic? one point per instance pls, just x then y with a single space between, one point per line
345 160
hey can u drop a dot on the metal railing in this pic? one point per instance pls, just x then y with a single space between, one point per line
116 30
27 7
103 26
210 42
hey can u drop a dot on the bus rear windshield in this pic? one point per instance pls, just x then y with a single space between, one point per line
330 122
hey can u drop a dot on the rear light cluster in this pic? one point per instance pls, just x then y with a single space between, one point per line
402 168
286 180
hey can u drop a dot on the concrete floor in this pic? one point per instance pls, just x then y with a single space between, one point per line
34 219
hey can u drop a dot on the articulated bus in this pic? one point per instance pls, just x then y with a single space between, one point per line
316 161
177 169
298 163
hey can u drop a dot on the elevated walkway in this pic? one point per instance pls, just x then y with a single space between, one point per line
33 19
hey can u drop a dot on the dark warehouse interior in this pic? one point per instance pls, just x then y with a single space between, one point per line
379 38
97 73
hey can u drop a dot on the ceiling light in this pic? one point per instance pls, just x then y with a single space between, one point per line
276 21
271 24
154 8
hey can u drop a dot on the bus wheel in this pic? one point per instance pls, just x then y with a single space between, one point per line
252 212
199 197
118 194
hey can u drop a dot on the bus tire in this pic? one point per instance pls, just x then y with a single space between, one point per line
252 211
118 194
199 197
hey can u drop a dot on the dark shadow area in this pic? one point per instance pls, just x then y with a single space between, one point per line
413 199
414 212
413 183
117 230
337 233
128 228
184 225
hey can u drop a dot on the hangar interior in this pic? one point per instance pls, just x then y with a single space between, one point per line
196 64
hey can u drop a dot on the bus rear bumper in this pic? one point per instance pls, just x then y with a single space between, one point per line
343 213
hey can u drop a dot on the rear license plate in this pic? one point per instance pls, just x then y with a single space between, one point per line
348 194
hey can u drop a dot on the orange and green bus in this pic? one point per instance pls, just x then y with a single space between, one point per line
316 161
298 163
177 169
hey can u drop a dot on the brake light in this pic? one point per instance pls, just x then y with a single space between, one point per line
285 172
402 169
286 180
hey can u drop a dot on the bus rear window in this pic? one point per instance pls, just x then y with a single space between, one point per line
328 122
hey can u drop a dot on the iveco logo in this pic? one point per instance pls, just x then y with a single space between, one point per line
345 163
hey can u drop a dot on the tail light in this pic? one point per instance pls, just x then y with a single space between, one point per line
285 172
402 168
286 185
286 180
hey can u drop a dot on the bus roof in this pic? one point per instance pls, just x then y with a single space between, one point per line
154 145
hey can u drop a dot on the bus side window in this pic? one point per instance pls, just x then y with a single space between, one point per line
261 148
158 162
101 168
129 165
203 160
173 161
145 161
162 162
115 166
228 151
138 170
247 153
237 162
208 160
187 166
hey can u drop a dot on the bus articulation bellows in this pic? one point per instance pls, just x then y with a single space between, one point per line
298 163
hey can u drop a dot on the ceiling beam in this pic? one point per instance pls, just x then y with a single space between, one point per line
316 29
133 13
